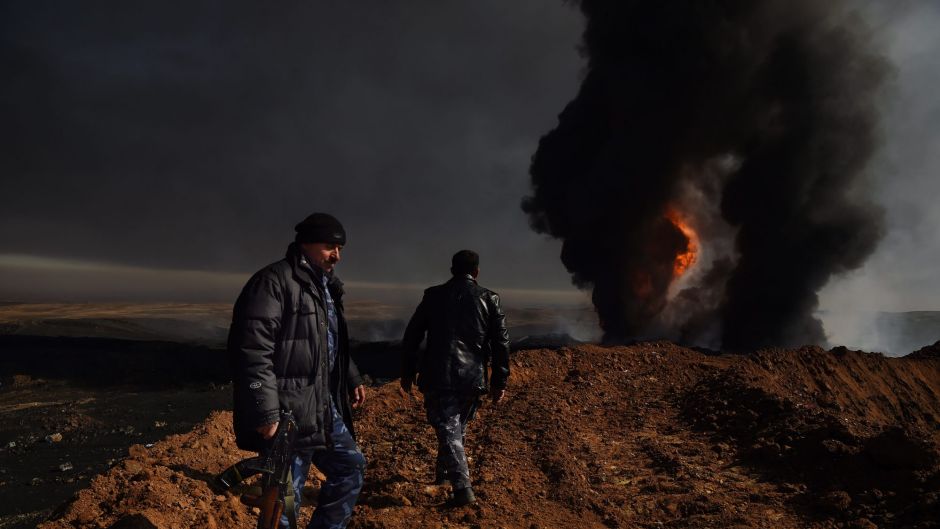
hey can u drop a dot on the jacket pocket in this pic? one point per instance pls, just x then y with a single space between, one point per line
302 402
300 332
304 304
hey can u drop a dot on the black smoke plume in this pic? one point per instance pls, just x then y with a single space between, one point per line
755 120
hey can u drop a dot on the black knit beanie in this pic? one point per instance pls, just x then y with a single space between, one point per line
320 227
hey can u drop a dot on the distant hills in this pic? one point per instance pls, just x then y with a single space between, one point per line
207 324
892 333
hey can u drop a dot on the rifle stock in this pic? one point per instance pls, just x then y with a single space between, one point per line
270 504
274 466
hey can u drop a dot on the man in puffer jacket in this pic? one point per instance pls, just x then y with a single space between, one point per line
289 349
466 331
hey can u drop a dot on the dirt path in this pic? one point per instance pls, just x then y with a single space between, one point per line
590 438
647 436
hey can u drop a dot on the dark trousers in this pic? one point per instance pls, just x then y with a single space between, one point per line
344 467
449 414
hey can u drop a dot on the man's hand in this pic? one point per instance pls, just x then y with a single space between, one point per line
268 430
496 395
358 395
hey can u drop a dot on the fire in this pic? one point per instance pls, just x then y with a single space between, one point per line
686 259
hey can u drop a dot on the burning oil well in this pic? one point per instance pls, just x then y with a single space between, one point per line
704 181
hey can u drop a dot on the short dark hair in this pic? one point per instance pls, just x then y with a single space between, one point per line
464 262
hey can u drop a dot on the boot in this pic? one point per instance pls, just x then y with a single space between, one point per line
462 497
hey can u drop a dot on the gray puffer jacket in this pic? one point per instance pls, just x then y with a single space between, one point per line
277 346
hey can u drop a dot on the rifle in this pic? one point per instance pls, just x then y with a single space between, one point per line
277 491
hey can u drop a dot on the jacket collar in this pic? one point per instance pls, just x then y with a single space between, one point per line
302 273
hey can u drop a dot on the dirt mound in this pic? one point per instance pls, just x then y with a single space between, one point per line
164 485
854 434
927 352
652 435
55 435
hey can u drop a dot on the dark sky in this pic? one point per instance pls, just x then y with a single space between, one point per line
186 135
149 138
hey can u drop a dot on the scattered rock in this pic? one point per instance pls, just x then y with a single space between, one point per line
134 521
862 523
836 501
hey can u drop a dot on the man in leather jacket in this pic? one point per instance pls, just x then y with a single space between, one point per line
289 349
466 331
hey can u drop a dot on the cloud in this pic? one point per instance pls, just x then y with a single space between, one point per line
185 135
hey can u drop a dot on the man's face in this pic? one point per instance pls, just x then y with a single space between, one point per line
324 255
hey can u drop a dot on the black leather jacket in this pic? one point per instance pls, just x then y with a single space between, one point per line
277 346
466 330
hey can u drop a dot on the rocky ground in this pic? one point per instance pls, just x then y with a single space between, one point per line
651 435
56 435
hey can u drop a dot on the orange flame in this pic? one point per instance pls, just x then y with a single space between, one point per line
686 259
